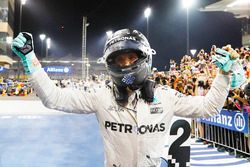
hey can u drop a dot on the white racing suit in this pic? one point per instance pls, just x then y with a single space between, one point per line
133 136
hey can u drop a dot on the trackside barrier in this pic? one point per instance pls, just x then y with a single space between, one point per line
228 129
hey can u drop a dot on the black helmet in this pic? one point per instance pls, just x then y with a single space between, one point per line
128 41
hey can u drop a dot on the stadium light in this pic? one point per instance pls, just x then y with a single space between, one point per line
21 4
48 43
193 51
187 3
147 13
42 37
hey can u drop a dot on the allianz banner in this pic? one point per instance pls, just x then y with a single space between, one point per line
58 69
233 120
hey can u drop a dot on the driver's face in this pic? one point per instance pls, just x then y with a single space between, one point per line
126 59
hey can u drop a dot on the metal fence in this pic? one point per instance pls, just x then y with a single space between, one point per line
232 141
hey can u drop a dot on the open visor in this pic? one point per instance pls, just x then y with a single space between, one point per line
125 58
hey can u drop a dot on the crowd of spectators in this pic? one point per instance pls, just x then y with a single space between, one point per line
9 87
194 76
91 82
12 87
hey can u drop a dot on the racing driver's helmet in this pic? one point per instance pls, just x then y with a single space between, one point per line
128 58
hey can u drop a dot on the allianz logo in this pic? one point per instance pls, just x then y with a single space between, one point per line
239 121
60 70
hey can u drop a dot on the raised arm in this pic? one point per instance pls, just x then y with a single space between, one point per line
203 106
226 60
66 100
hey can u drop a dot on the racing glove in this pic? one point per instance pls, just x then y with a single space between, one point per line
226 63
222 59
23 47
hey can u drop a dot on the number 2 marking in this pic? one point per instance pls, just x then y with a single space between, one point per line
181 154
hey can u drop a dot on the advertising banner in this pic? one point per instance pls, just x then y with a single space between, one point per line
58 69
232 120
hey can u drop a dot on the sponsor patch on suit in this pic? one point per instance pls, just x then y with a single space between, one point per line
156 110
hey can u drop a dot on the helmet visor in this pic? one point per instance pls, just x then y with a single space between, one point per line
125 58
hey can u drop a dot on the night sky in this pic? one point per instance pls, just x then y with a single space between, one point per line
62 22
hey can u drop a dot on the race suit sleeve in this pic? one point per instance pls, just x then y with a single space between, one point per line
203 106
67 100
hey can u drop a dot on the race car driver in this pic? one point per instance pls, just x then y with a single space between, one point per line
133 115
